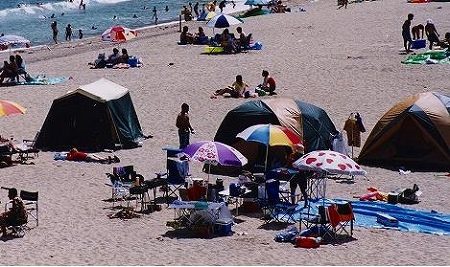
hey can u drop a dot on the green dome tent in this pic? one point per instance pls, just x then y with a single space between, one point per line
93 117
414 133
309 122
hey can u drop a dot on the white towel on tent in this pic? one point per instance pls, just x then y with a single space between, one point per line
339 144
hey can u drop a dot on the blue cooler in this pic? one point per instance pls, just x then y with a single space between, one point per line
223 228
132 61
417 44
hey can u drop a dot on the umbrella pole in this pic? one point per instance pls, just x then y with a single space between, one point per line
207 181
265 162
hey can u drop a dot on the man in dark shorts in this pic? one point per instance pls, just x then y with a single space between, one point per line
184 126
406 33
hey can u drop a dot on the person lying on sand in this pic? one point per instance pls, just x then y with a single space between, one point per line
75 155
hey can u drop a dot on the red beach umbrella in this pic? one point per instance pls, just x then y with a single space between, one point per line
9 108
118 33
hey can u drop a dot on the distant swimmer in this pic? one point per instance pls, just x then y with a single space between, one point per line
94 27
62 14
52 16
167 8
115 17
135 16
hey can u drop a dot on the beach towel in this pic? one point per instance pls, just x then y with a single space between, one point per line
429 57
42 80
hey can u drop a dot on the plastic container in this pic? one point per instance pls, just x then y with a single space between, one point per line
132 61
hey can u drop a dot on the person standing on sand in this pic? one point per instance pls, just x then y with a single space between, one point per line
155 15
80 34
196 9
69 32
184 126
55 31
406 33
431 32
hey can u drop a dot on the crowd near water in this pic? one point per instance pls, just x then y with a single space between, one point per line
32 19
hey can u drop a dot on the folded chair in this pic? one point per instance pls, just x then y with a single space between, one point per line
273 207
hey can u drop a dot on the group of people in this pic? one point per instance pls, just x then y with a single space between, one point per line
241 89
115 58
188 38
416 32
68 32
13 68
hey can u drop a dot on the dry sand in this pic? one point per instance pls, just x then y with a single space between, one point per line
343 60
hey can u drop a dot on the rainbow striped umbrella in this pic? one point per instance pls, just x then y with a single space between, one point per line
271 135
9 108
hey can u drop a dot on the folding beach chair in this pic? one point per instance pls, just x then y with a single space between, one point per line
274 207
341 218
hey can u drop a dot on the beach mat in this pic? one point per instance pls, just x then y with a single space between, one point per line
429 57
42 80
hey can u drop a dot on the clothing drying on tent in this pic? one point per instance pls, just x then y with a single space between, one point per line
93 117
414 133
309 122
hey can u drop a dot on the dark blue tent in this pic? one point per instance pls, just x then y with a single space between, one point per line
310 122
96 116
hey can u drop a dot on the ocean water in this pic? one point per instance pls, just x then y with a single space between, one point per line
32 18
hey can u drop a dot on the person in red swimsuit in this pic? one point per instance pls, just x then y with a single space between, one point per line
268 84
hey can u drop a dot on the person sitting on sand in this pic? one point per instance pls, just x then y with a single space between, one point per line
75 155
124 57
242 39
446 42
114 57
9 69
200 37
236 90
226 41
186 37
268 84
16 215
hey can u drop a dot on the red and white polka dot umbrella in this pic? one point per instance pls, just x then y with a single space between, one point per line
330 162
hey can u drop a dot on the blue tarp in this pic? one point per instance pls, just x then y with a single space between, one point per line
411 220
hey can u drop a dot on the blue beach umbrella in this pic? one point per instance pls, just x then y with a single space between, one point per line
223 21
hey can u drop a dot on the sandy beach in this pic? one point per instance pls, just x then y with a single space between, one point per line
343 60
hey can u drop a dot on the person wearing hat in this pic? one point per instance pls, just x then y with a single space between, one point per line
431 32
16 215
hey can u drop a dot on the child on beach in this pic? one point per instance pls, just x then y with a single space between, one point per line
406 33
268 84
236 90
69 32
184 126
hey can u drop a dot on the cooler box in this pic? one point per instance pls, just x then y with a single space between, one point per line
417 44
223 228
387 220
133 62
